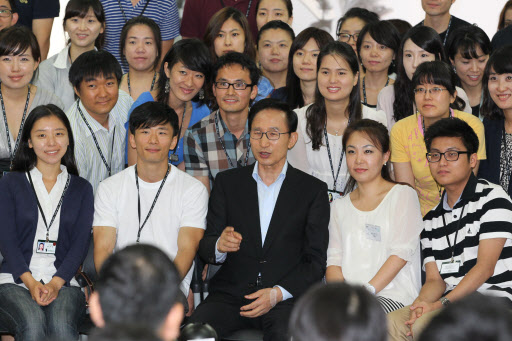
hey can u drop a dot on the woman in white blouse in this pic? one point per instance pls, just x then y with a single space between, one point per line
318 150
374 232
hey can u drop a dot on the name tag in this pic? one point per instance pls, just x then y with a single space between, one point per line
47 247
372 232
450 267
333 195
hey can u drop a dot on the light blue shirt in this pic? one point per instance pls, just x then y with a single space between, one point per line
267 198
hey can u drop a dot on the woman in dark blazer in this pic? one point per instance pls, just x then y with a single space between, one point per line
47 212
497 111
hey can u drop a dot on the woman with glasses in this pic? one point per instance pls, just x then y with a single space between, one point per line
374 231
322 124
434 93
497 112
420 44
350 25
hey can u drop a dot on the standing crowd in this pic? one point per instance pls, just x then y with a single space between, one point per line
381 158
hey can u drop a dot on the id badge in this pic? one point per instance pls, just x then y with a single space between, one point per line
47 247
372 232
333 195
450 267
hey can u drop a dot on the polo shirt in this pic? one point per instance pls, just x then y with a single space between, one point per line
484 211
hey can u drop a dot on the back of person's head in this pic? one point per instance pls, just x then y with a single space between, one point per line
198 331
93 64
453 127
80 8
475 317
275 25
153 27
337 312
402 26
151 114
241 59
137 285
357 12
502 21
123 332
274 104
25 158
466 40
500 62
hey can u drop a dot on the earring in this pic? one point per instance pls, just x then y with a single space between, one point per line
167 86
201 94
454 70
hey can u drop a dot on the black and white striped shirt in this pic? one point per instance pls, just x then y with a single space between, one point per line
486 214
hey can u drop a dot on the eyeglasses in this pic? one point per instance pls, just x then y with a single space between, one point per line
451 155
345 37
271 135
5 13
434 91
236 86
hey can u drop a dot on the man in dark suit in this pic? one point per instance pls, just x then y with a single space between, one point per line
268 225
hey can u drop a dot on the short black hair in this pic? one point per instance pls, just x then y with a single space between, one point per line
466 39
500 62
288 3
16 40
453 127
138 285
93 64
12 3
384 33
360 13
151 114
271 103
123 332
475 317
275 25
241 59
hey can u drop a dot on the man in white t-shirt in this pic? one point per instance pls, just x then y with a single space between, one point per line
151 202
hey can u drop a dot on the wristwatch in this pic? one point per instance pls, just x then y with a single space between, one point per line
444 301
370 288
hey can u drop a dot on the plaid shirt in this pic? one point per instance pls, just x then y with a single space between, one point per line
203 152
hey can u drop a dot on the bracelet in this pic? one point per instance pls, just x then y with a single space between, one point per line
444 301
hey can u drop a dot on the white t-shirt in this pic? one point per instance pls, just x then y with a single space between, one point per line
361 241
183 201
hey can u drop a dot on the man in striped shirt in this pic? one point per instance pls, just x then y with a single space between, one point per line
466 242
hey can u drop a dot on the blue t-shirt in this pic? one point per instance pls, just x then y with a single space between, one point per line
198 113
264 89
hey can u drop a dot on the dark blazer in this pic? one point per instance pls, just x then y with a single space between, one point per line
294 255
490 168
19 214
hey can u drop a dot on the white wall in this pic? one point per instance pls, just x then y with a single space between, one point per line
325 13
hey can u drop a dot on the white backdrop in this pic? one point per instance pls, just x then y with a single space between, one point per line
325 13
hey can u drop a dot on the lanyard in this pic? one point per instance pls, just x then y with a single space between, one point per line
452 248
12 152
130 88
122 10
154 201
224 147
248 7
507 171
41 209
447 30
334 176
109 167
174 157
364 90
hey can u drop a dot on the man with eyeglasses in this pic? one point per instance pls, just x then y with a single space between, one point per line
467 238
268 225
221 141
8 15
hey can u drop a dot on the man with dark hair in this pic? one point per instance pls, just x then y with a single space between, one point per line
268 225
8 14
466 242
151 202
98 116
138 286
220 141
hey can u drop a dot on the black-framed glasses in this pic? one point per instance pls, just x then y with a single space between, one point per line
271 135
434 91
452 155
345 37
5 13
236 85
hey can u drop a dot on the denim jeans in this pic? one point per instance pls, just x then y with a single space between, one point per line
28 321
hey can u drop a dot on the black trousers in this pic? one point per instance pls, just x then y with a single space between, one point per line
222 312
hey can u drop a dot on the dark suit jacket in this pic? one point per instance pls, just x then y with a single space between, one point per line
489 169
294 254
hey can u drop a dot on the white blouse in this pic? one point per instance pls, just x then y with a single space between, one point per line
361 241
316 162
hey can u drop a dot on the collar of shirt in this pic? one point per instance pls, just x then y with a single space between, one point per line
280 177
223 128
40 188
466 195
95 125
62 60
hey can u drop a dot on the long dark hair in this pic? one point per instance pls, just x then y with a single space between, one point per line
25 158
427 39
316 114
194 54
378 134
80 8
384 33
501 21
155 29
215 24
500 62
322 38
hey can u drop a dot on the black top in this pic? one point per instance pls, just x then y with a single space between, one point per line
280 94
476 110
36 9
502 37
454 25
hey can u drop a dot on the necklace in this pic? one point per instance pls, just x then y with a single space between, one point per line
129 85
364 89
